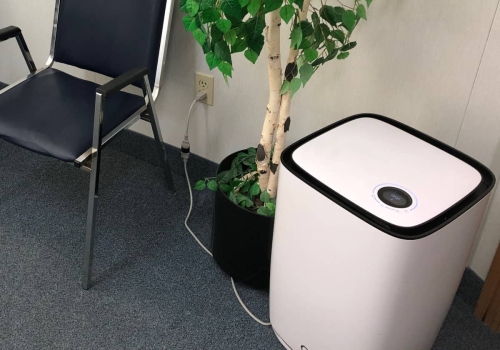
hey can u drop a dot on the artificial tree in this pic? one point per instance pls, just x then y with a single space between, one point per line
226 27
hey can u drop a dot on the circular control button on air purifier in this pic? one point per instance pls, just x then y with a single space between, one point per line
395 197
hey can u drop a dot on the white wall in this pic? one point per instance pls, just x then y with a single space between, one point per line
416 61
480 136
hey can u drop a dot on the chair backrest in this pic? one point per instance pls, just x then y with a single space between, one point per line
110 37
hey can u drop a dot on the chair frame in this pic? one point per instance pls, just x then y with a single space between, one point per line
91 159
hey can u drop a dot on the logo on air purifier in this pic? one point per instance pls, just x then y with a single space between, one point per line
303 347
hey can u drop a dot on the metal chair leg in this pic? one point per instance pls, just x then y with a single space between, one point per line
158 137
93 191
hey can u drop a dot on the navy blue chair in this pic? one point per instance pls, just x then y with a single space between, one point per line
58 115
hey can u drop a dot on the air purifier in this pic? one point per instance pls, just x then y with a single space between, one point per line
374 225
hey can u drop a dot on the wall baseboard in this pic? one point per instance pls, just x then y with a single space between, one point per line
143 147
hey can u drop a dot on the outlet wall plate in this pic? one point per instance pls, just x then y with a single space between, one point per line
205 82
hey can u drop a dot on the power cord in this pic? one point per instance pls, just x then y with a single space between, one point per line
185 151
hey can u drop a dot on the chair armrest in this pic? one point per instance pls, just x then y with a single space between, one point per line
8 33
122 81
15 32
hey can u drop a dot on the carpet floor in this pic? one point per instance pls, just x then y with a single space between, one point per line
153 287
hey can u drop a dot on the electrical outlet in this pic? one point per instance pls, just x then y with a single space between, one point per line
205 83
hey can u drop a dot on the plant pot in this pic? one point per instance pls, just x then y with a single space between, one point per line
241 239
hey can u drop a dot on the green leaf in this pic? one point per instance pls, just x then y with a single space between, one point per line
306 71
299 3
305 44
252 151
296 37
349 20
315 19
310 54
225 188
232 197
226 69
330 46
223 24
255 26
200 36
256 44
319 61
253 7
271 206
286 13
255 189
230 36
328 14
207 4
212 60
238 46
285 87
295 85
222 51
249 160
210 15
245 187
331 55
265 197
234 182
254 39
216 34
232 8
207 47
264 211
318 34
337 13
182 6
361 12
223 176
189 23
244 199
200 185
307 28
325 30
251 55
212 185
192 7
271 5
244 3
339 35
248 203
348 46
368 2
342 55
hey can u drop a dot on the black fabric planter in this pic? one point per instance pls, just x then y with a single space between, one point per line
241 239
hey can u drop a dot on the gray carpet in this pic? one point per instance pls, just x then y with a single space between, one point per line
154 288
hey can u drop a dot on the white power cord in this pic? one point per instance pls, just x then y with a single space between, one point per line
185 151
189 212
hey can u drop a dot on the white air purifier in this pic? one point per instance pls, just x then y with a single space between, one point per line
374 225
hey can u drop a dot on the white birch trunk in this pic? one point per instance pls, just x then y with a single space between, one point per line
274 71
284 120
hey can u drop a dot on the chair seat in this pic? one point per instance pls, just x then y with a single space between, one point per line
53 114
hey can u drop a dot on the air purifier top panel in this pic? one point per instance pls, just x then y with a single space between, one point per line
387 171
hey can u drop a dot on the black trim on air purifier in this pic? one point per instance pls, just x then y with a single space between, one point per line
485 186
